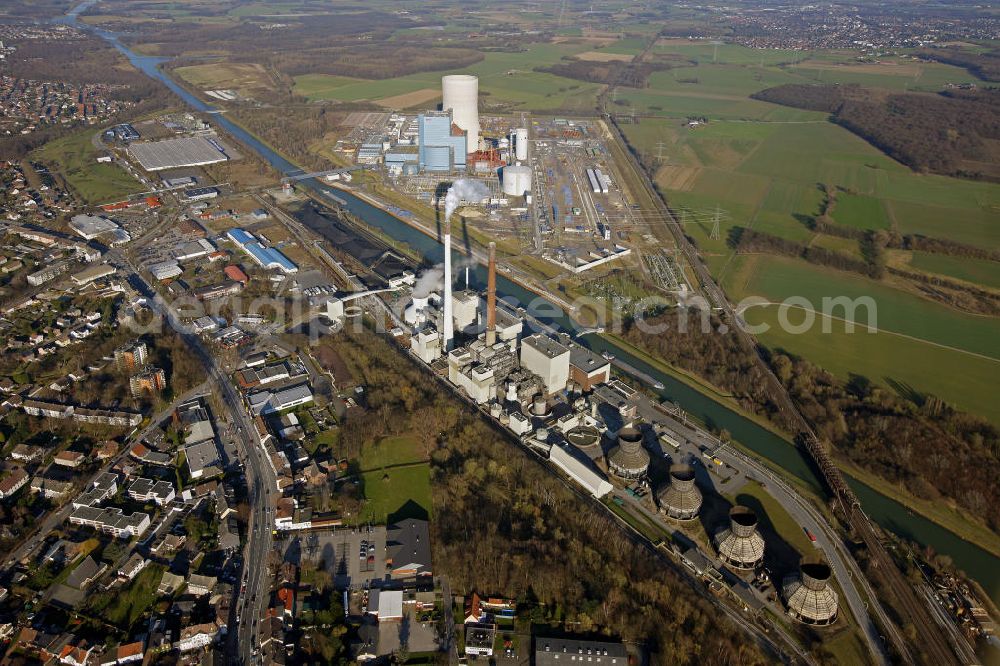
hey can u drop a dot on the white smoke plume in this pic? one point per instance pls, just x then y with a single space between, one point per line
464 189
428 281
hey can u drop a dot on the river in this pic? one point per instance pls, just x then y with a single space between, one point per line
889 513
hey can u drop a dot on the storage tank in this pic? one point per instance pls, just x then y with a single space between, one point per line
521 143
628 459
809 596
516 180
680 499
740 545
460 95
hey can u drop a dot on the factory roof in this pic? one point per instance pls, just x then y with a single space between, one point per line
179 152
560 650
409 545
91 226
545 345
586 360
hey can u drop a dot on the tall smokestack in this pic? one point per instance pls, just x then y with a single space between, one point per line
491 297
449 324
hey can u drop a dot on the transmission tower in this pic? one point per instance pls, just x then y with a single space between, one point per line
659 153
715 225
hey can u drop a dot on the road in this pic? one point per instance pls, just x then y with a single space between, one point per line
261 483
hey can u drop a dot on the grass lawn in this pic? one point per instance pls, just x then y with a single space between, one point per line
395 474
861 212
128 605
74 158
391 451
395 491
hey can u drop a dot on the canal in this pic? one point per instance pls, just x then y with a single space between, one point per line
890 514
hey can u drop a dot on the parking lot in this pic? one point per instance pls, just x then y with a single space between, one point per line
340 552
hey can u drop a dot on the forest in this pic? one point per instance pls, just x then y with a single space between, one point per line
935 451
953 133
985 66
503 525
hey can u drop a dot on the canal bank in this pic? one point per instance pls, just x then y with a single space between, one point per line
887 512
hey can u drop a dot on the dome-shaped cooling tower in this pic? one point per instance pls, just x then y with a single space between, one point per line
628 459
809 596
680 499
740 545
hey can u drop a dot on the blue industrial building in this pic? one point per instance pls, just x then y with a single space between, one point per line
442 143
266 257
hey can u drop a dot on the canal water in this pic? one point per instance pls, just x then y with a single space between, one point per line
890 514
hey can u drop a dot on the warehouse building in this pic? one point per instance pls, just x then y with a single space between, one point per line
179 152
561 651
266 257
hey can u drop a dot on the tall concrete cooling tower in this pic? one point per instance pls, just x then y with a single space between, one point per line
460 94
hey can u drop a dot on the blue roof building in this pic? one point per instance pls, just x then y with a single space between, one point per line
442 143
267 257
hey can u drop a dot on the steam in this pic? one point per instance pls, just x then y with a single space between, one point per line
428 281
464 189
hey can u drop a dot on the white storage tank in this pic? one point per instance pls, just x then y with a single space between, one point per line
521 143
516 180
460 95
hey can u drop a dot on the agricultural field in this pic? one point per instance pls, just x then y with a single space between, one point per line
505 79
248 79
979 271
74 158
916 338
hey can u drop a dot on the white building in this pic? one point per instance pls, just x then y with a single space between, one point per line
589 478
548 359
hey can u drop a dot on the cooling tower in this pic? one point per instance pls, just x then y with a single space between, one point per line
809 596
680 499
516 180
740 545
628 459
460 95
521 143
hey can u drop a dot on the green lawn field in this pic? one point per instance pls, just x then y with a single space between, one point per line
917 339
503 78
74 157
395 473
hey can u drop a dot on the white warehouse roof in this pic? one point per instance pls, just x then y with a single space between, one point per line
589 478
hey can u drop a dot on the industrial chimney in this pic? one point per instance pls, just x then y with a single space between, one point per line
448 326
491 297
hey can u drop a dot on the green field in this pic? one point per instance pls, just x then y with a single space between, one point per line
861 212
74 158
503 78
916 339
980 271
395 474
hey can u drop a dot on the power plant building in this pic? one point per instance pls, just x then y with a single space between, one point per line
548 359
443 144
586 476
